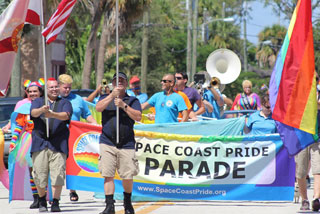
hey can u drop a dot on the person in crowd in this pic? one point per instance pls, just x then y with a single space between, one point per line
311 154
246 100
135 90
213 95
167 103
192 93
95 95
49 151
79 107
119 155
22 123
261 122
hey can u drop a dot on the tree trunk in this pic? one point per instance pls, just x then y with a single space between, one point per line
144 54
99 8
108 23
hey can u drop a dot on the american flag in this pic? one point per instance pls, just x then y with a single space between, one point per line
58 20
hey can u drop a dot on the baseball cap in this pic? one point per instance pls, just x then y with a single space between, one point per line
134 79
121 74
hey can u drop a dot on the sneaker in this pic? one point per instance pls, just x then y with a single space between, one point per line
55 206
305 205
315 205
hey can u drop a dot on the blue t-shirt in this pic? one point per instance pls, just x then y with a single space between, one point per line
126 133
208 96
167 107
59 131
260 125
79 106
142 97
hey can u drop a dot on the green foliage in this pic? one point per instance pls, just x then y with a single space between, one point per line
77 37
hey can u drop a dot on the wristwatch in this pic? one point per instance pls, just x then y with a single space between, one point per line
125 107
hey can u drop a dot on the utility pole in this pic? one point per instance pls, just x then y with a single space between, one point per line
144 54
204 27
245 36
195 39
189 36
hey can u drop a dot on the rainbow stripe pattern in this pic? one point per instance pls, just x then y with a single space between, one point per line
293 85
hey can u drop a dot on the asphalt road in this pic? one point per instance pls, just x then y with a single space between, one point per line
88 204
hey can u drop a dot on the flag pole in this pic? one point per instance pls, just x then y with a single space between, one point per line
117 59
44 64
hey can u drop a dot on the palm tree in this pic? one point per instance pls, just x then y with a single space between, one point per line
128 12
270 40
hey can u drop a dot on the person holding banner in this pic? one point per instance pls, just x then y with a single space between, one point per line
261 122
167 103
135 90
114 154
49 151
311 154
79 107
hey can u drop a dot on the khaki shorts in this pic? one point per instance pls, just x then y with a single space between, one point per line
302 159
123 160
45 162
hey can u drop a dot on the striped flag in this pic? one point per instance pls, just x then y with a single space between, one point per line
33 13
293 84
58 20
11 24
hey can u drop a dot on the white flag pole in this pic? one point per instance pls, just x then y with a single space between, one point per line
117 59
44 64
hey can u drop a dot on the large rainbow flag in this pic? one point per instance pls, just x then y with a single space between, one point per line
293 85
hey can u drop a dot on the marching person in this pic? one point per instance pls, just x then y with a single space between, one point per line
135 90
79 107
49 154
22 124
120 155
192 93
167 103
311 154
214 97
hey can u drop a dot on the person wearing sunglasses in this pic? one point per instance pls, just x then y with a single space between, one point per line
192 93
261 122
167 103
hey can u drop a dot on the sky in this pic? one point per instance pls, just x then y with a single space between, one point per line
261 17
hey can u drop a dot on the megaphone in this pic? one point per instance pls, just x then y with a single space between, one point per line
224 64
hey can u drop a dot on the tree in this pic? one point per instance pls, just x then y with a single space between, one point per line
270 42
287 7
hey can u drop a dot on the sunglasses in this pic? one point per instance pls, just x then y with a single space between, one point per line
267 107
179 78
165 81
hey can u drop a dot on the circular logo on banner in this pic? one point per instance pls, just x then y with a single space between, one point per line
86 151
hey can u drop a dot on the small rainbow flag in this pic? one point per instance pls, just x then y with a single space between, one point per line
293 85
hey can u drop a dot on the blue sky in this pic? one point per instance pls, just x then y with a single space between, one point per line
261 17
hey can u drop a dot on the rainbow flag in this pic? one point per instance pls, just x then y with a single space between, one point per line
293 86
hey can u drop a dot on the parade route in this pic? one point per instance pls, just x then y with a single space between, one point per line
89 205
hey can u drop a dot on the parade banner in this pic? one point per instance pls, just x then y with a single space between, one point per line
189 167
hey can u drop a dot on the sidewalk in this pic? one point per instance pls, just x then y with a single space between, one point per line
89 205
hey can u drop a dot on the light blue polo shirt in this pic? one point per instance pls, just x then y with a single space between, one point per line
260 125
